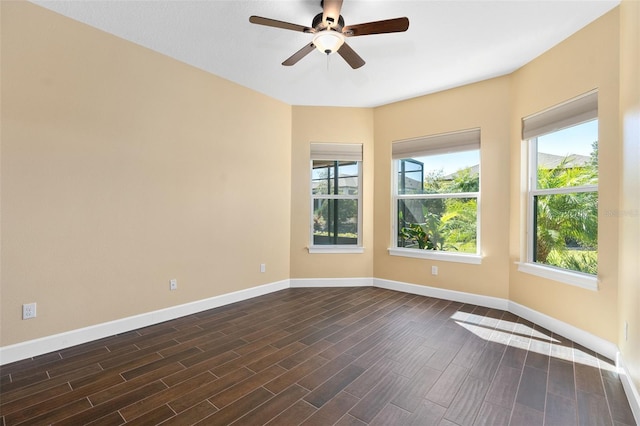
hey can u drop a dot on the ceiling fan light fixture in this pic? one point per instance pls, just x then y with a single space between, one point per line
328 41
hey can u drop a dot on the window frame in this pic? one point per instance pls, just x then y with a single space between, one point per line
527 263
337 157
436 148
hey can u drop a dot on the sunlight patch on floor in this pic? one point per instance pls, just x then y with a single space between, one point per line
522 336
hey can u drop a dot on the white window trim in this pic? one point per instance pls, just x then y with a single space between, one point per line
528 266
337 248
447 256
586 281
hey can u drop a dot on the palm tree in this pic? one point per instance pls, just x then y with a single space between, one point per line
565 221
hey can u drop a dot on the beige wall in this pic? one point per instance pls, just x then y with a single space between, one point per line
585 61
333 125
484 105
122 169
629 217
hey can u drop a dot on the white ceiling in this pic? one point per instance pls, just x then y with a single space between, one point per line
449 42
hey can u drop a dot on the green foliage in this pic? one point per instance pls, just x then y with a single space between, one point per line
459 224
418 233
465 181
576 260
567 224
448 224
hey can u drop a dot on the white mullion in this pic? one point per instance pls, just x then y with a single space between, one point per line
360 207
335 197
531 187
565 190
394 203
438 196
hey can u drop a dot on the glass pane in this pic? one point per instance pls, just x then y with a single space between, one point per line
566 231
334 177
347 178
335 222
447 224
568 157
322 177
410 176
440 174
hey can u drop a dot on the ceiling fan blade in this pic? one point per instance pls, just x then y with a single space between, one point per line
293 59
280 24
331 10
349 55
396 25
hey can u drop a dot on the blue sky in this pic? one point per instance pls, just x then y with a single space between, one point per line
450 163
574 140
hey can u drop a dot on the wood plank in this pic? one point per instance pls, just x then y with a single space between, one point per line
207 391
504 387
447 385
295 414
467 403
99 411
532 389
238 390
412 395
560 410
492 415
380 395
344 356
561 378
274 406
163 397
332 411
326 391
285 380
239 408
192 415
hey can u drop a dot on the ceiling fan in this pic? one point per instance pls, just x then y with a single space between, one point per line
330 32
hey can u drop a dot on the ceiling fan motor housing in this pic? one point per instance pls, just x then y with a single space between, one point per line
319 25
330 32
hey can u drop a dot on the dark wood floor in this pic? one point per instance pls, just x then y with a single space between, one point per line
346 356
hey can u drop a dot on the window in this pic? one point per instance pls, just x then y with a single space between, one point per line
562 220
436 191
336 196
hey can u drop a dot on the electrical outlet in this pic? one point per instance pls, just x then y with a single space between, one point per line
263 267
434 270
173 284
29 310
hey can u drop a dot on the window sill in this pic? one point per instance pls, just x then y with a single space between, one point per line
335 249
577 279
436 255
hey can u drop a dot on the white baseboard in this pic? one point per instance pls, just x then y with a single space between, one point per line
331 282
67 339
456 296
629 388
582 337
60 341
588 340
